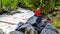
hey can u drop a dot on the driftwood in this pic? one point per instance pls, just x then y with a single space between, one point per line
8 22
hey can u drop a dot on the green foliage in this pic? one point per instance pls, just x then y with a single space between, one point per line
57 24
11 4
0 6
57 4
0 3
45 5
31 4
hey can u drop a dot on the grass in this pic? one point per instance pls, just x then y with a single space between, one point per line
57 24
58 7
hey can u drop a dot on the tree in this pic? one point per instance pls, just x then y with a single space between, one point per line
47 6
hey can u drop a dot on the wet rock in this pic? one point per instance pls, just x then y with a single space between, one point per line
16 32
48 31
1 31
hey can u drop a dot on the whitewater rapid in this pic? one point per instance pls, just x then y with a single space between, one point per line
15 18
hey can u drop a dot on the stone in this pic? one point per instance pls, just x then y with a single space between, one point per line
16 32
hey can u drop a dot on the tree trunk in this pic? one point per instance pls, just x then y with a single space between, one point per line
0 5
52 5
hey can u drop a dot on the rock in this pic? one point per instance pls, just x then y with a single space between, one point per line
16 32
1 31
48 31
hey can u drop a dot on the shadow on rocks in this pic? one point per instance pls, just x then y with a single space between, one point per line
16 32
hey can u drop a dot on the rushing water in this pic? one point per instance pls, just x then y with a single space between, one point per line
15 18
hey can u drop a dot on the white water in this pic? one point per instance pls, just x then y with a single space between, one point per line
15 18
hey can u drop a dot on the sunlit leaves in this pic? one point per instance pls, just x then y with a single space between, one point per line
57 4
11 4
46 5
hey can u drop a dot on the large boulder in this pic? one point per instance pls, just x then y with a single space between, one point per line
48 31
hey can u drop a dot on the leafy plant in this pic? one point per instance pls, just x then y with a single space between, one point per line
57 4
11 4
45 5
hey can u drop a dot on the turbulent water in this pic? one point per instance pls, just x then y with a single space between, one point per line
23 16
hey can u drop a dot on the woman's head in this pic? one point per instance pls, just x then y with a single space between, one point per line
38 12
38 8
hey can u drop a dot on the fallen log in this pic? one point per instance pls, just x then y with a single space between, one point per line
8 22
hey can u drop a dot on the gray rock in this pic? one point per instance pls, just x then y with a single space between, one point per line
48 31
1 31
16 32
